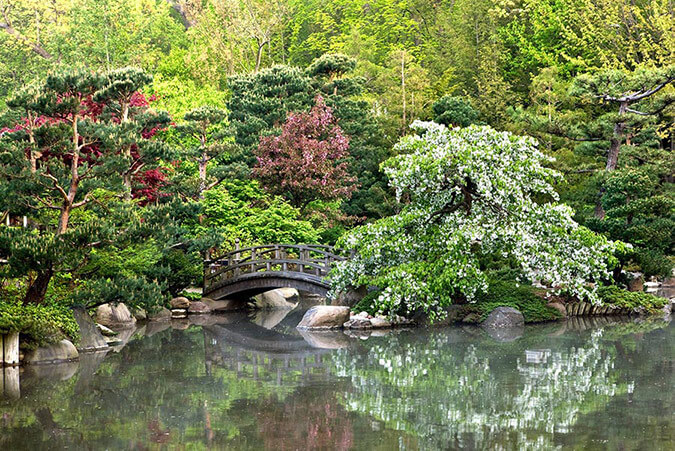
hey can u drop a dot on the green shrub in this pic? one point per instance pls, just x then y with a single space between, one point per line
191 295
368 304
502 293
654 262
613 295
38 325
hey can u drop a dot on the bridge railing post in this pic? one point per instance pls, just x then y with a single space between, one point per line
303 257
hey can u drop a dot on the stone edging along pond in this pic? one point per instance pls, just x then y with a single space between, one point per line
327 317
318 317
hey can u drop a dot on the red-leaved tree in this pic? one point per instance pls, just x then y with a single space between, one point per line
308 161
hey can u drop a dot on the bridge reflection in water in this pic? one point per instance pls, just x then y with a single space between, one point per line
262 354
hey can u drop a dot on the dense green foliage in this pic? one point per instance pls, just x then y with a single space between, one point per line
525 298
615 296
126 176
37 324
241 210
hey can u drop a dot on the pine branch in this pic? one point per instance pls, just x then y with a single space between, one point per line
56 185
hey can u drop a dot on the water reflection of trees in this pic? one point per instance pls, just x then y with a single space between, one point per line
455 389
200 387
236 386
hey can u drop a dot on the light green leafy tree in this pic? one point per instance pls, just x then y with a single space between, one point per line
469 193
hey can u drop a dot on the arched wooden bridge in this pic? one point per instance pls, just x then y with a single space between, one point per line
245 272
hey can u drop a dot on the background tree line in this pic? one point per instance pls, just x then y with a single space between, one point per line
239 81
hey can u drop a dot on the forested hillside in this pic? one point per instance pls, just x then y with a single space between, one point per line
207 121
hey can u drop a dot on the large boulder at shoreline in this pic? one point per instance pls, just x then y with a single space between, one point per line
559 306
350 297
91 338
199 307
180 302
163 314
140 314
276 299
115 316
503 317
637 283
224 305
63 351
324 317
380 322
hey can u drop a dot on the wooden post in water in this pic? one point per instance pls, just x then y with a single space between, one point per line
10 349
10 386
9 366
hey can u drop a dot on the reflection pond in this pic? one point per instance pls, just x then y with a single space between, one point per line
239 382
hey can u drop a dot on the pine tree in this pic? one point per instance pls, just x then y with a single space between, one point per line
207 140
65 163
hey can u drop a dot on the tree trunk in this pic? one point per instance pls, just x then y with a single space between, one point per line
403 90
258 57
613 155
127 177
202 174
64 218
38 287
617 139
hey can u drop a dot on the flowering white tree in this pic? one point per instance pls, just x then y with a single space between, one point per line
469 193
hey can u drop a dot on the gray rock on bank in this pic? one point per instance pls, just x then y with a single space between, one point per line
140 314
504 317
63 351
358 323
224 305
180 302
559 307
324 317
199 307
115 316
163 314
285 299
91 338
504 324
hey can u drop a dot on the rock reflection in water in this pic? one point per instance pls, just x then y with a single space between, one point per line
230 381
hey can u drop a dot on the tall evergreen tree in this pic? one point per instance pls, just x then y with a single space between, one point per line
206 140
261 101
62 166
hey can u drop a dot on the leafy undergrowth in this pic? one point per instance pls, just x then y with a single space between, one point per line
524 298
613 295
37 325
532 302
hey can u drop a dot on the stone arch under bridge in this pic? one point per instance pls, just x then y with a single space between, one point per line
245 272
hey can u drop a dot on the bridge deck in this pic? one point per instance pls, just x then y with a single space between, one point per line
251 270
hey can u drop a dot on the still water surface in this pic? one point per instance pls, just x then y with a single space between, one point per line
235 382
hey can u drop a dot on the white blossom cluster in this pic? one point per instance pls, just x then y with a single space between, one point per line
468 192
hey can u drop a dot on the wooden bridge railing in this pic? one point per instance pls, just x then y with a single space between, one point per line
311 259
